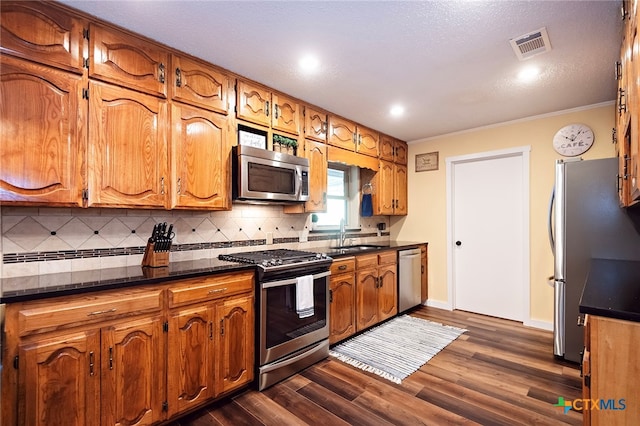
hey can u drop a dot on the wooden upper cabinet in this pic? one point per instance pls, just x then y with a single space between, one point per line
383 197
316 153
120 58
60 379
342 133
127 148
367 141
286 114
201 147
199 84
315 124
43 146
42 33
393 150
400 190
253 104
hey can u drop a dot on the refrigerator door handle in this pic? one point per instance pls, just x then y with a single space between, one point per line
559 317
550 220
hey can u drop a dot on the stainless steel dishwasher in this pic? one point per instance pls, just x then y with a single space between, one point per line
409 279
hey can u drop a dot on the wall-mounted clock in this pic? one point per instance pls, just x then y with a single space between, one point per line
573 140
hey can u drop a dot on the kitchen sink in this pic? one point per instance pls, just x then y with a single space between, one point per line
356 248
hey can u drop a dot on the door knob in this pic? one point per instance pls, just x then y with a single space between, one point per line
458 243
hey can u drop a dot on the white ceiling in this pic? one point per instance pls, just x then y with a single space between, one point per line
449 63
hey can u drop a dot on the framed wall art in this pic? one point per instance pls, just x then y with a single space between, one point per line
427 162
252 137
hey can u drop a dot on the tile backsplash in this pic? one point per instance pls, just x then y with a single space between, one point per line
48 240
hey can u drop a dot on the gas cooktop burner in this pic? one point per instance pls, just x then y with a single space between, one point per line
278 259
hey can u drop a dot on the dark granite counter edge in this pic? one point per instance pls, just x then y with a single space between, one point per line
612 289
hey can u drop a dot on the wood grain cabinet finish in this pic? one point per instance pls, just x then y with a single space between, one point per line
199 84
376 288
42 33
342 133
201 169
393 150
316 153
130 357
610 368
127 150
271 109
391 197
342 299
43 163
367 141
315 124
120 58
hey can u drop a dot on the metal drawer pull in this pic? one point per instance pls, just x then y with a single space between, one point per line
108 311
342 267
217 290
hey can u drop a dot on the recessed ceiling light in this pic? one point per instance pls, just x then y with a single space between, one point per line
528 74
309 64
397 110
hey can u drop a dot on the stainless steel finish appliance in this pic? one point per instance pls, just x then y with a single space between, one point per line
288 342
260 175
585 221
409 279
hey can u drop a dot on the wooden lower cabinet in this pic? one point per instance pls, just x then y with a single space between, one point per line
127 357
376 288
610 371
342 299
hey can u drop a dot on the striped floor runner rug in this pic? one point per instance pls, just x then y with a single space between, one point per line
396 348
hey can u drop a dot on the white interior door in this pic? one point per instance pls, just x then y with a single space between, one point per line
487 236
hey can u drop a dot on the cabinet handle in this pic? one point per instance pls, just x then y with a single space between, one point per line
324 127
422 269
162 185
354 138
91 372
618 70
614 136
110 357
618 183
622 106
359 139
222 327
217 290
275 111
210 330
342 267
161 72
330 296
108 311
266 108
178 77
179 184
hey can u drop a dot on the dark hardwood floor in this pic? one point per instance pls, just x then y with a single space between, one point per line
497 373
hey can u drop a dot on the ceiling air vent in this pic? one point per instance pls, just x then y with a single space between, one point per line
531 44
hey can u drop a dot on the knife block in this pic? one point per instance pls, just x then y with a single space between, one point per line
155 259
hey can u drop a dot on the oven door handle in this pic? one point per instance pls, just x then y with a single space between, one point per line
271 284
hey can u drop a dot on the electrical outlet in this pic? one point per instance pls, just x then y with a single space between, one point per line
269 237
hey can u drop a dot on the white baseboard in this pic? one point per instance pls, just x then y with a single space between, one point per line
439 304
543 325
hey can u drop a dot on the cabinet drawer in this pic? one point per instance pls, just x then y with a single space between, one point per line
76 310
367 261
342 266
387 258
209 288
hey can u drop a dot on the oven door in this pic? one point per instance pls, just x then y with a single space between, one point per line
282 331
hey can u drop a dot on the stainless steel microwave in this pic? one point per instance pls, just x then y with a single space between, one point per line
265 176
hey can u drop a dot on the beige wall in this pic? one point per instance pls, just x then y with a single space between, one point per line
427 192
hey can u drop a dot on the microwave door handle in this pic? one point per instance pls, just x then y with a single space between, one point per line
298 183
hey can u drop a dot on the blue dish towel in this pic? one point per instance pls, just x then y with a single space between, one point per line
367 206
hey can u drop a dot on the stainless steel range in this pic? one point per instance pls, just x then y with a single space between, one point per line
293 305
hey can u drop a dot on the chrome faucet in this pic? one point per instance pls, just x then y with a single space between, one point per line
343 233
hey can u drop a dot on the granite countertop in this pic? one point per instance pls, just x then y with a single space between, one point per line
51 285
612 289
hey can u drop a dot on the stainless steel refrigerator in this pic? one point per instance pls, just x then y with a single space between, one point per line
585 221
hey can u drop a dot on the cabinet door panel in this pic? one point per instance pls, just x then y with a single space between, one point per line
315 124
286 114
388 292
383 197
199 85
254 104
127 148
43 161
60 380
341 133
201 152
41 33
235 319
400 190
387 148
316 153
133 372
367 141
191 373
366 299
401 154
122 59
342 312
